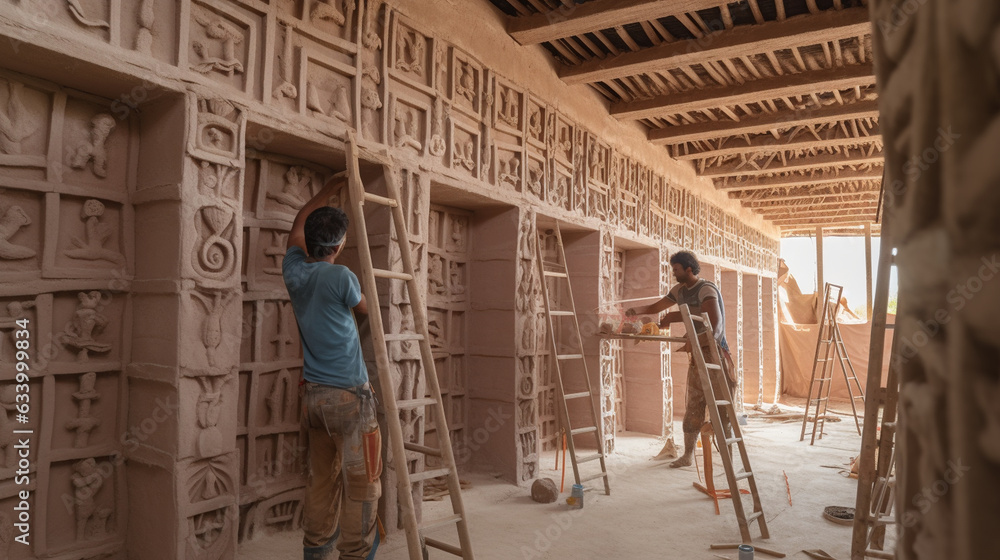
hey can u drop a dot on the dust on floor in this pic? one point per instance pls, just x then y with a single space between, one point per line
653 511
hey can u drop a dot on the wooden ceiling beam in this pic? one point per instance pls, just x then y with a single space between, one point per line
740 169
731 43
567 21
795 211
840 220
764 123
800 181
768 144
821 198
803 83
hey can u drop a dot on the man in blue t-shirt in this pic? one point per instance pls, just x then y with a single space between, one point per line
342 489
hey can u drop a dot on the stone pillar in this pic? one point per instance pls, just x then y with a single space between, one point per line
190 190
666 371
610 349
937 66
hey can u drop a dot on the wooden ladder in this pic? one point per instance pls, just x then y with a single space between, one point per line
559 272
711 374
417 542
873 508
829 342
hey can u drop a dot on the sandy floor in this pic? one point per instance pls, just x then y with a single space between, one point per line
653 511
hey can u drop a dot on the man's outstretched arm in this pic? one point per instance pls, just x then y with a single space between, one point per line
653 308
297 237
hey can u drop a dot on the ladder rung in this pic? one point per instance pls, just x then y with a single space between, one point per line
697 318
754 516
879 554
422 449
570 356
722 403
425 475
554 274
579 431
713 366
733 440
743 475
561 313
571 396
401 337
450 549
440 522
381 200
593 477
589 458
414 403
382 273
888 520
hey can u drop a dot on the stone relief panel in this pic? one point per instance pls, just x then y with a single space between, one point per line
466 149
409 125
372 70
610 355
666 375
527 348
467 84
222 44
329 91
412 54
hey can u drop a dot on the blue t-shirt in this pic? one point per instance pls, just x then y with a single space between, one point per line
322 296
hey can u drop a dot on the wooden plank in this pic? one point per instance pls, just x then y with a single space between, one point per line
866 109
765 144
730 43
803 83
738 168
821 213
817 208
799 180
868 270
567 21
826 221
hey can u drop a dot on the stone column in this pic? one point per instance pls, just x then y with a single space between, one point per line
183 499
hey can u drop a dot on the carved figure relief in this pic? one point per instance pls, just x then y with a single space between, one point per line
17 123
91 521
535 122
441 65
298 179
79 14
326 10
439 115
286 61
411 51
509 170
283 337
215 258
208 410
96 235
276 251
95 149
536 174
336 104
214 304
145 18
435 276
371 76
509 107
221 56
282 398
217 131
487 151
465 153
14 218
465 84
84 422
405 128
8 403
87 322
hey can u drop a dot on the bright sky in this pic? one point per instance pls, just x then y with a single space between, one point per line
843 263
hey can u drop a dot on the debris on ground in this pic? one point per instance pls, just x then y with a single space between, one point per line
839 514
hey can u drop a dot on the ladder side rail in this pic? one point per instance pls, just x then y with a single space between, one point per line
595 414
815 364
866 459
418 306
828 366
356 190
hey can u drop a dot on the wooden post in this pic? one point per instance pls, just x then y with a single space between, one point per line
868 269
819 269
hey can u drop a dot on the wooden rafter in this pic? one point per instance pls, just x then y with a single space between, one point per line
723 45
764 144
738 168
578 19
840 219
799 180
782 210
813 198
803 83
718 129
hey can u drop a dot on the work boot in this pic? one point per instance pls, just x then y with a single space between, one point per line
325 552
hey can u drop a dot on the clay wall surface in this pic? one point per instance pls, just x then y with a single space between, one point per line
145 222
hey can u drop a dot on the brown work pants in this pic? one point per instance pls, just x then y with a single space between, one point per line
339 496
695 407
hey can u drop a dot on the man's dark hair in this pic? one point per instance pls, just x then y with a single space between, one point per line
687 260
324 226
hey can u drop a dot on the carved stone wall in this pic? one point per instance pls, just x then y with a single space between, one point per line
66 267
938 67
610 288
530 340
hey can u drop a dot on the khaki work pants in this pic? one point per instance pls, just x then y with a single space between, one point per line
696 406
339 496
